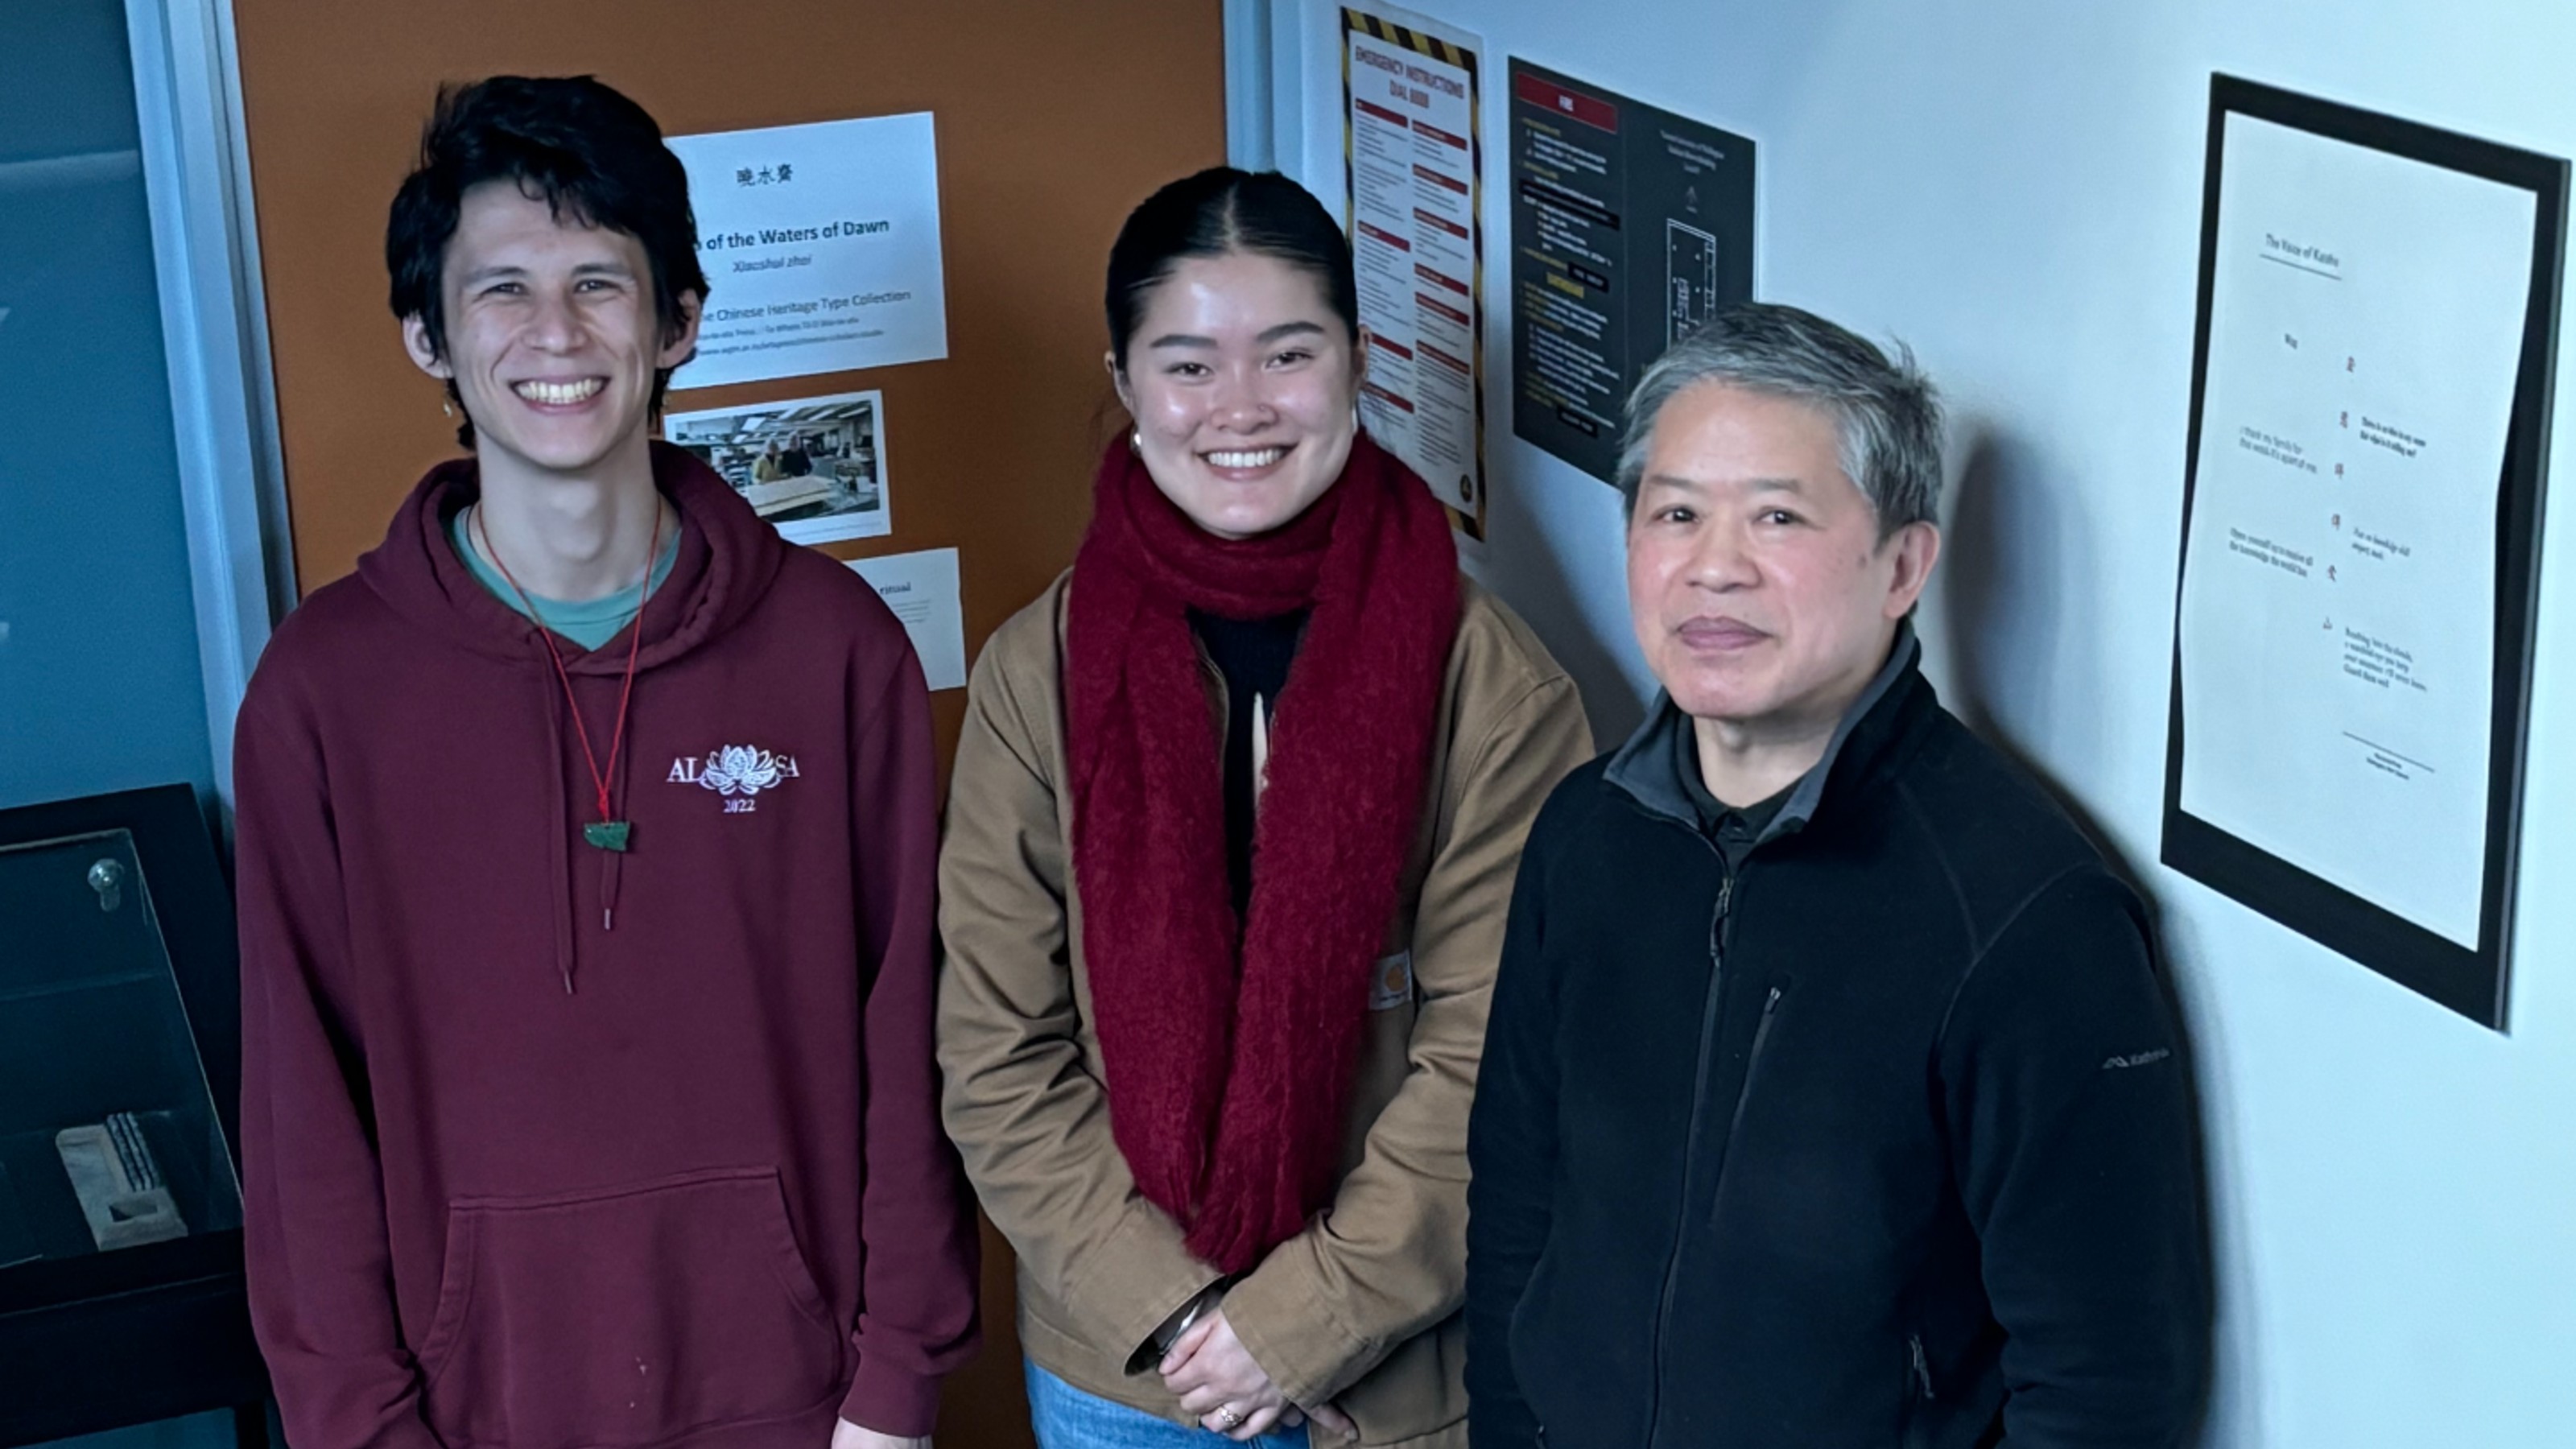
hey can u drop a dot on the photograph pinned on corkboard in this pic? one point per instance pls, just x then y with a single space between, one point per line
815 466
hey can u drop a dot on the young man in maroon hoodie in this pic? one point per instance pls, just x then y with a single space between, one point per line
587 841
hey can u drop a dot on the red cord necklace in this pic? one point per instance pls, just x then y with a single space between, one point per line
605 832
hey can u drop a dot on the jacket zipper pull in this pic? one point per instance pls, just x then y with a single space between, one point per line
1717 918
1922 1366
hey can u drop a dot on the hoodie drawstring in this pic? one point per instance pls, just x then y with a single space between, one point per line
556 846
613 865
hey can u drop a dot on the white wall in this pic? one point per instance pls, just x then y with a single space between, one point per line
2014 188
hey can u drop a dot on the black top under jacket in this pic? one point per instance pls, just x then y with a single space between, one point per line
1253 656
1882 1138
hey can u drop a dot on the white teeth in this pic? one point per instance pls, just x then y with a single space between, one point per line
559 394
1262 458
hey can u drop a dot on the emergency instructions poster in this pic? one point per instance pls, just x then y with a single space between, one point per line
1630 226
1416 220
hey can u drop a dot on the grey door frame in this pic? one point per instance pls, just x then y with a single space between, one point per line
214 328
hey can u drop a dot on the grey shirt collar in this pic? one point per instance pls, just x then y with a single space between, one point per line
1648 767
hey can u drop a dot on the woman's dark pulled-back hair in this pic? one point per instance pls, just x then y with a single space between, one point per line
587 150
1218 212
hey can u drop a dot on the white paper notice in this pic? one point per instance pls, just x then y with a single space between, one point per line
2338 604
1415 213
921 588
821 248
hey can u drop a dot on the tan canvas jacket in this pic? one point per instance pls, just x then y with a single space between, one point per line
1362 1309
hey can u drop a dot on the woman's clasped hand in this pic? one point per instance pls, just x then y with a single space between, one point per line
1210 1372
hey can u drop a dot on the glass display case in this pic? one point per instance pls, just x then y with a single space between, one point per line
121 1294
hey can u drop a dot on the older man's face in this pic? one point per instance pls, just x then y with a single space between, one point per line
1757 582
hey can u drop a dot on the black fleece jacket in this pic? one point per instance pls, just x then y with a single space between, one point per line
1884 1138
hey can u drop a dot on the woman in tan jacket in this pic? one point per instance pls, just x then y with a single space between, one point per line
1234 826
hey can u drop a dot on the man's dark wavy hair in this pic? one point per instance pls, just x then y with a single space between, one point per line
591 153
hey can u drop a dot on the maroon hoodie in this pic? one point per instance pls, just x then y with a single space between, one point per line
547 1146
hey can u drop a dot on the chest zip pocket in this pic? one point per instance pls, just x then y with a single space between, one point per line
1744 1093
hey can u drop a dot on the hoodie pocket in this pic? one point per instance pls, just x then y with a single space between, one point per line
626 1315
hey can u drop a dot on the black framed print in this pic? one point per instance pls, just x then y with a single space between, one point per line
2371 387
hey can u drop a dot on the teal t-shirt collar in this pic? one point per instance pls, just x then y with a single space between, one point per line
586 622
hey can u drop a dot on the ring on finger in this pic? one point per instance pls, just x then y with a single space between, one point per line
1227 1418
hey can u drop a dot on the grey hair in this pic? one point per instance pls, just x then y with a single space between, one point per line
1887 412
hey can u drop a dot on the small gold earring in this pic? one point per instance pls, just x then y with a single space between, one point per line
446 406
1136 440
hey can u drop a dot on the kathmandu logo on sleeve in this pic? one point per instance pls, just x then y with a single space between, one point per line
737 772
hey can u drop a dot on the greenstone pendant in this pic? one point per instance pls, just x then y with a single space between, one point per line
608 834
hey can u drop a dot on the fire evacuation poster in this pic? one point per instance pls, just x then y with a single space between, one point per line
1415 213
1630 227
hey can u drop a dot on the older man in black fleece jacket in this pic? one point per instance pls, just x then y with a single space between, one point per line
1830 1096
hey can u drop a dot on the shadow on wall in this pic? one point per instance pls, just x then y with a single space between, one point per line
2017 592
1524 548
2009 561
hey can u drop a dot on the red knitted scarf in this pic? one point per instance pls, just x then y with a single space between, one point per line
1228 1045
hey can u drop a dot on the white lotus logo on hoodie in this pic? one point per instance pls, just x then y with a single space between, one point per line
737 772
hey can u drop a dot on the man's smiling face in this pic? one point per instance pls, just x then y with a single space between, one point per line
1759 584
552 336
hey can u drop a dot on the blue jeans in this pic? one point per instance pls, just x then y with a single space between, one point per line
1067 1418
